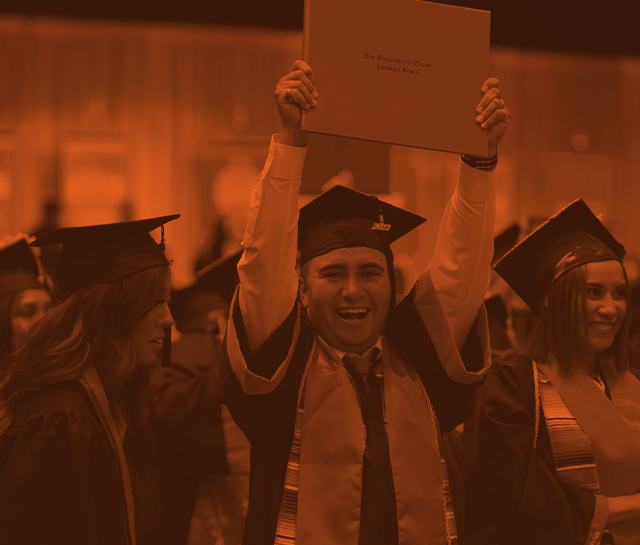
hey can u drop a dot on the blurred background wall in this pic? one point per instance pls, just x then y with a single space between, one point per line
113 120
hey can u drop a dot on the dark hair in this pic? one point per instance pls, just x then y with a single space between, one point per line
560 333
93 326
6 331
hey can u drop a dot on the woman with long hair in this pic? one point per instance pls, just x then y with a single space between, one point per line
74 443
23 297
553 451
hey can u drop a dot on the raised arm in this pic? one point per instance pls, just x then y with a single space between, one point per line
461 266
267 270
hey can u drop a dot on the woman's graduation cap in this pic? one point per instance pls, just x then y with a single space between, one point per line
213 290
106 253
572 237
344 218
18 269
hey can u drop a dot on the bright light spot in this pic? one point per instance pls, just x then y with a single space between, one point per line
96 105
240 118
580 140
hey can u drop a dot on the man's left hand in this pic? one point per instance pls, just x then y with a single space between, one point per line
492 114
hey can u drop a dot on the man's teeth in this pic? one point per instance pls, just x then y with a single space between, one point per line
353 312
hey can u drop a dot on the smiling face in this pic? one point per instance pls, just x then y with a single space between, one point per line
606 303
148 333
347 293
27 308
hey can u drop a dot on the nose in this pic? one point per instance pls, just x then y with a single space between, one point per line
352 290
166 320
608 307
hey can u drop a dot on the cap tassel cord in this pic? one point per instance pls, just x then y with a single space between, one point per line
166 348
162 246
380 225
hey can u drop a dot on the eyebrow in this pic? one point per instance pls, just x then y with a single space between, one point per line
342 266
600 285
332 266
373 265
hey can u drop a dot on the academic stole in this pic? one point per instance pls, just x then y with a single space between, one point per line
571 448
91 382
287 518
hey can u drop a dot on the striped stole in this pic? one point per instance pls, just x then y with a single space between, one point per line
450 520
286 528
572 452
286 525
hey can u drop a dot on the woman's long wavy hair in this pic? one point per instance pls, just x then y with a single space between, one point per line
94 326
561 334
6 331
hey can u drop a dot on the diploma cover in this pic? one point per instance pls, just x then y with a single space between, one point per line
405 72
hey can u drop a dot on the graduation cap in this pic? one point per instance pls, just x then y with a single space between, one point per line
18 269
506 240
344 218
213 290
108 252
572 237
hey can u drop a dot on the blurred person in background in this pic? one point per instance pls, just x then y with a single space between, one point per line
632 266
205 454
74 443
552 454
23 295
213 247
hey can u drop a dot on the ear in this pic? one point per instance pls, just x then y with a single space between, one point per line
303 292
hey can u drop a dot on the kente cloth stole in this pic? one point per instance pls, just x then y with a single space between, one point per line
91 382
450 520
572 452
287 517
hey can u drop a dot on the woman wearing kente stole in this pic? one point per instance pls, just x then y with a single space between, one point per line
553 451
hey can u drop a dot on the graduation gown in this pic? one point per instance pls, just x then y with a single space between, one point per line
59 481
512 494
268 420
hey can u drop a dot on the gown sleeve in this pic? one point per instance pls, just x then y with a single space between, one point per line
263 327
59 483
512 494
461 266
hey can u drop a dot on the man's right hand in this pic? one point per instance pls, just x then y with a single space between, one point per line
295 92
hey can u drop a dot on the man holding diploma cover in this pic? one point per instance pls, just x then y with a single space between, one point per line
342 393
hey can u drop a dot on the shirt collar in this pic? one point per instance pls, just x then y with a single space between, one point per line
366 355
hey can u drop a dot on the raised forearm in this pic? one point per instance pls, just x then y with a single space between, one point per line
461 266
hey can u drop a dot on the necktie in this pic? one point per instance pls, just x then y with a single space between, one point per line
358 364
378 519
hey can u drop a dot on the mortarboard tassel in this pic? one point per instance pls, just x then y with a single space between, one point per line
162 246
166 348
380 225
166 342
